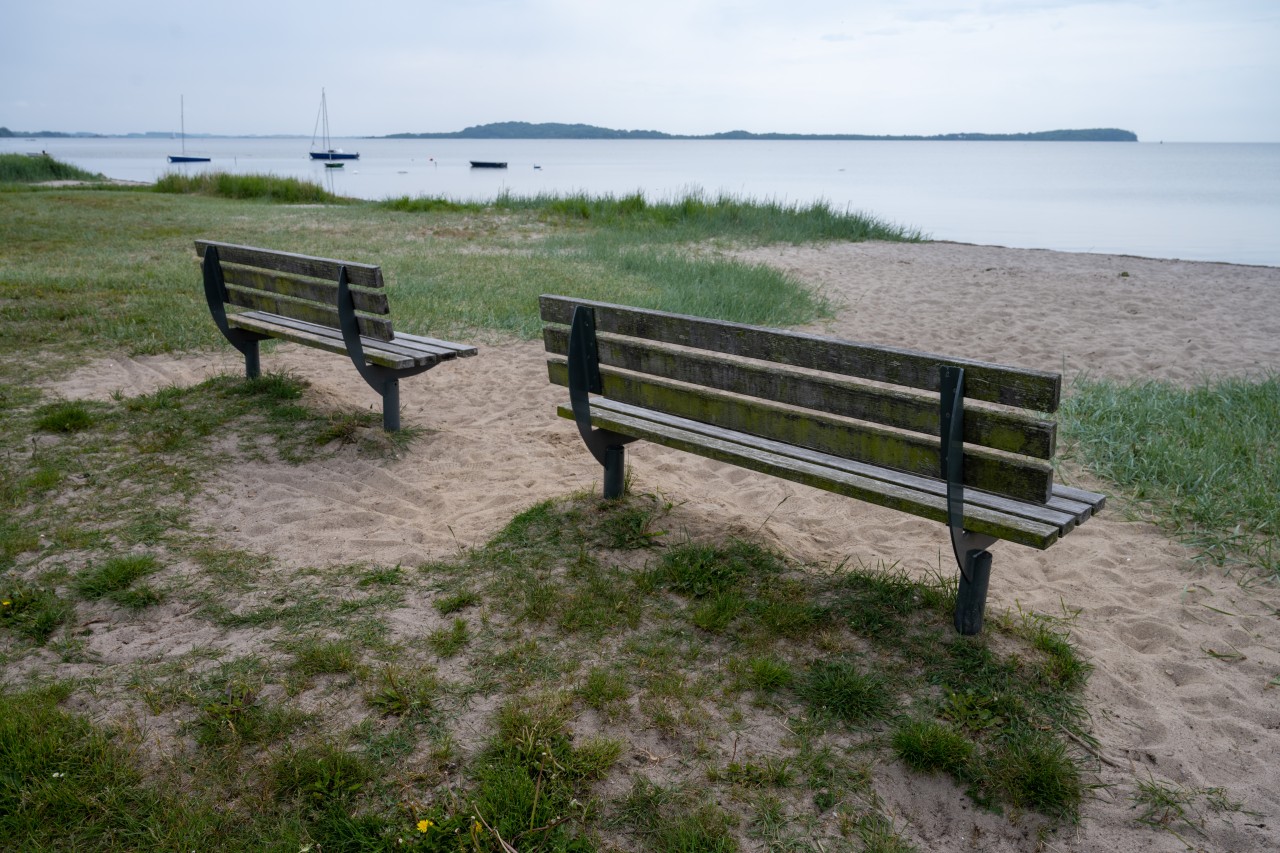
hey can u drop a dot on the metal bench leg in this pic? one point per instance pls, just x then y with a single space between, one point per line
971 598
252 365
615 464
391 405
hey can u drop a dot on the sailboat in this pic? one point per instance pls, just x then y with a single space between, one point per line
327 153
184 157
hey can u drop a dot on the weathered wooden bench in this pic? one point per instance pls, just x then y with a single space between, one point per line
332 305
953 440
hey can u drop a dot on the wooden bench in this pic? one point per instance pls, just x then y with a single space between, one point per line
953 440
337 306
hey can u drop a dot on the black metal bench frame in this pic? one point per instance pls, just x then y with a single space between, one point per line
382 361
973 518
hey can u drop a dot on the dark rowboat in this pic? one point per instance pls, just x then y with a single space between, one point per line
487 164
182 158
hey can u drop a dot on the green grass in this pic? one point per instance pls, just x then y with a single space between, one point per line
1202 462
114 270
269 188
27 169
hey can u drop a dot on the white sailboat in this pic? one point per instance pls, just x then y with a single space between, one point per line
325 152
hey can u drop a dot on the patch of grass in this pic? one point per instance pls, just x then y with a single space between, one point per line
64 416
447 642
1033 771
700 570
929 747
767 674
68 785
31 611
848 692
531 780
317 656
115 578
321 775
605 690
404 693
457 601
673 820
1177 809
1203 461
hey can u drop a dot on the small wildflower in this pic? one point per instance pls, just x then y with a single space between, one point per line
424 825
59 775
477 828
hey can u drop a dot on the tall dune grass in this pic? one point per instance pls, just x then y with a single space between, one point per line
266 187
32 169
1203 460
693 216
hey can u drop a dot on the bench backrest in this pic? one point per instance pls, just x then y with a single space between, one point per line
301 287
872 404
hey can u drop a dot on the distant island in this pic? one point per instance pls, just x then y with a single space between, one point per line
553 130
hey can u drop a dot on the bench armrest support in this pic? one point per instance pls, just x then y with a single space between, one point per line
970 549
584 379
215 294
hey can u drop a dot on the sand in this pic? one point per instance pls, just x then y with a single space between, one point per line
1147 616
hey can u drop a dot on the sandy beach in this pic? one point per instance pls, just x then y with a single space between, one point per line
1163 707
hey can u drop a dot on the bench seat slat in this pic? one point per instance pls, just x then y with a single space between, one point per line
463 350
1064 521
364 275
313 290
978 519
377 352
1002 430
1018 477
1027 389
1094 499
413 349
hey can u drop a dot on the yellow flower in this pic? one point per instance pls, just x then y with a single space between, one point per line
477 828
424 825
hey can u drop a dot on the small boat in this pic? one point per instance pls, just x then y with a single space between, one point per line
333 165
327 153
487 164
184 157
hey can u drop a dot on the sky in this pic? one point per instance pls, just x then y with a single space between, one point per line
1169 70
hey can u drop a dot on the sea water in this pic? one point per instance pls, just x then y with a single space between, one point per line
1210 202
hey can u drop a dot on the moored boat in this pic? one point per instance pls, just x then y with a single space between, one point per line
487 164
327 153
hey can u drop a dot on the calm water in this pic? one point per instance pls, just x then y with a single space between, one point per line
1216 202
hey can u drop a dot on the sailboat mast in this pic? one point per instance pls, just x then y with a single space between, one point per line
182 121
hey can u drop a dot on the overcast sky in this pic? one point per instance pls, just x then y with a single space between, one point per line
1174 70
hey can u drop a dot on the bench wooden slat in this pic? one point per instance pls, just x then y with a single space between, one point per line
323 337
421 353
310 312
463 350
1064 521
363 275
1096 500
1018 477
999 429
1027 389
325 292
977 519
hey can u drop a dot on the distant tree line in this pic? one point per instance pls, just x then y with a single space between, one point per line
41 134
555 130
